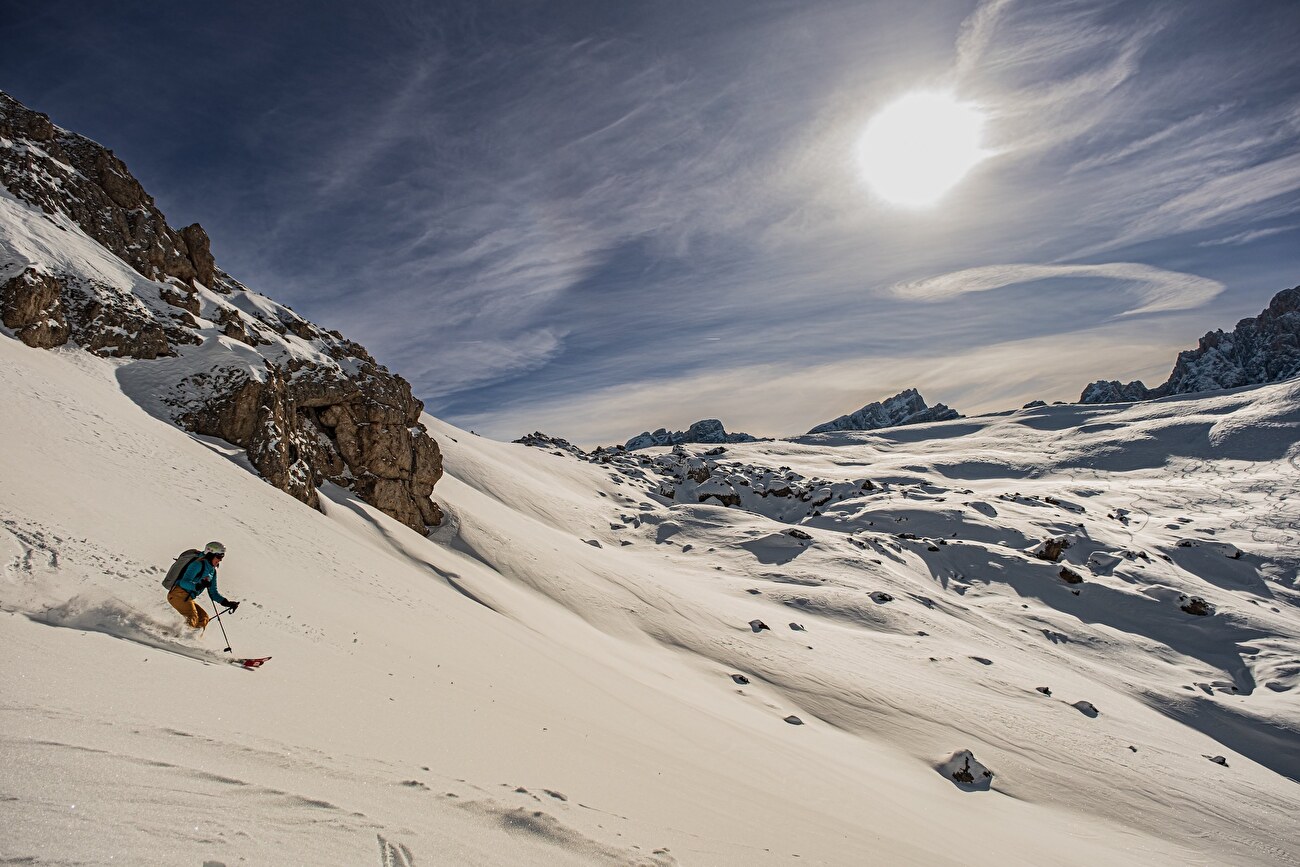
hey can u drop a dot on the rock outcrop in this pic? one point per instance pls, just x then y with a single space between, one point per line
31 304
306 404
1114 391
709 430
906 407
706 478
1262 349
556 445
60 171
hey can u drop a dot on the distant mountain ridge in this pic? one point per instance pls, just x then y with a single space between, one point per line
708 431
906 407
1260 350
87 259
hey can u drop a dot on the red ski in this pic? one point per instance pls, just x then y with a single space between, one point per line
250 664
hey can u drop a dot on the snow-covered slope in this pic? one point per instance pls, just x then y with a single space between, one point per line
566 671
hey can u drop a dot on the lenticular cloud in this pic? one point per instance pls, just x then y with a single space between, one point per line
1156 289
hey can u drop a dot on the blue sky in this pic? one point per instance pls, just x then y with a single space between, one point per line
595 218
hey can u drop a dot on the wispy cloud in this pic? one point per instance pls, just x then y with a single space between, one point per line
1227 194
1249 236
1100 92
1158 290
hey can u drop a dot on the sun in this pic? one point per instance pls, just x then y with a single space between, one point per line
919 147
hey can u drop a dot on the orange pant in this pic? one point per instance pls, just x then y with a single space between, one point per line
194 614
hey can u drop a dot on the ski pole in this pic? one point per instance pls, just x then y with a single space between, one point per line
223 632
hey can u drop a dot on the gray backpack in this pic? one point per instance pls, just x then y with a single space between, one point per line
187 557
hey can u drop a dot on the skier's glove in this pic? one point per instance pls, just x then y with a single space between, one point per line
234 606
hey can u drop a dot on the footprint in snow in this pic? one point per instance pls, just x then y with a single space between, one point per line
758 625
981 660
1218 760
740 679
1086 708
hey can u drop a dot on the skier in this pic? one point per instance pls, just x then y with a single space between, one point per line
201 574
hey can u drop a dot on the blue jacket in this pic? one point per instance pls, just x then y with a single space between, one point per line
198 575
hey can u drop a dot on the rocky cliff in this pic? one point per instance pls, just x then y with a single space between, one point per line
708 430
1262 349
87 259
906 407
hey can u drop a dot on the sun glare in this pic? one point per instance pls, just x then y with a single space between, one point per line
919 147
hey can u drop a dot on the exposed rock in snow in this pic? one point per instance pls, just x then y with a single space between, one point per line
539 440
708 430
906 407
1198 606
964 769
31 304
1051 549
1262 349
89 260
778 493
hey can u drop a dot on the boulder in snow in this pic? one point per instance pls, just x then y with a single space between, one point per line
966 771
1051 549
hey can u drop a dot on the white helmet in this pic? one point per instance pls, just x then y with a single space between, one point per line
214 548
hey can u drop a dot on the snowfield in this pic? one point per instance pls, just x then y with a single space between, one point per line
577 669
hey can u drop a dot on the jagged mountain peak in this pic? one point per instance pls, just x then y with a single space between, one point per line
1261 349
906 407
87 259
709 431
